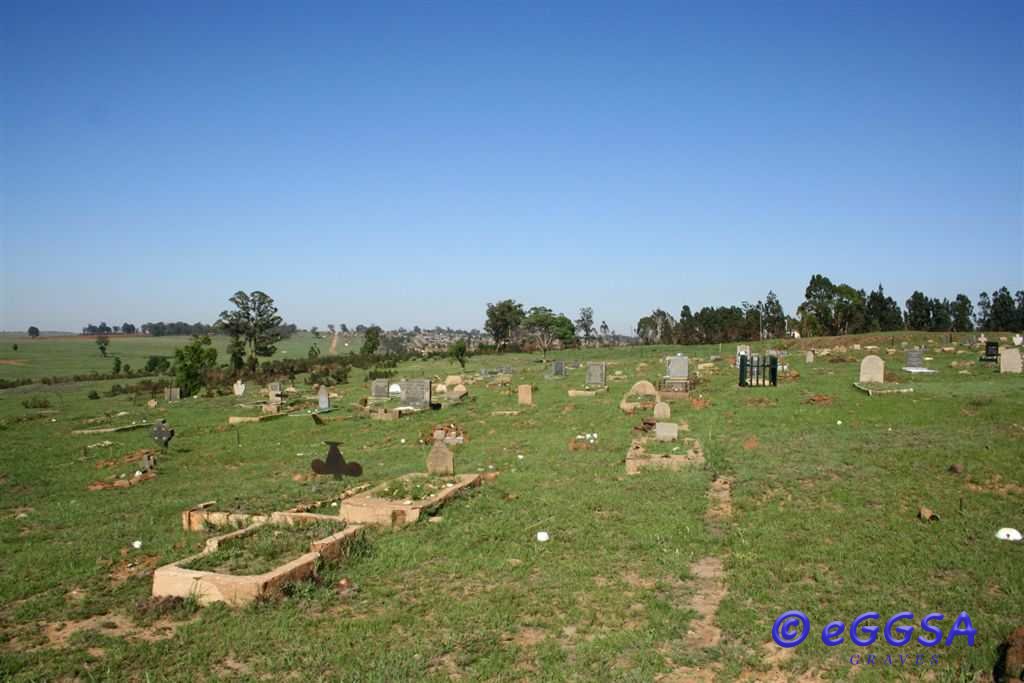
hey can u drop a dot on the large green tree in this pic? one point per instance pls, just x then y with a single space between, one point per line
33 331
882 313
963 314
585 323
919 312
191 363
254 327
371 340
503 319
547 327
1003 313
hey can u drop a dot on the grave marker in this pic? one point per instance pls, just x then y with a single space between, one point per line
415 393
525 392
239 388
323 399
440 460
662 411
596 374
915 358
666 431
379 389
274 392
162 434
872 370
1010 361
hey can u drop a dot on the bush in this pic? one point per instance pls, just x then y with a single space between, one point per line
157 364
94 395
36 402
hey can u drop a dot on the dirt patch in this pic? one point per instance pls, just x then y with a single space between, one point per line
750 443
232 667
114 625
720 508
528 636
636 581
819 400
121 483
138 567
709 582
688 674
761 402
11 362
996 485
700 403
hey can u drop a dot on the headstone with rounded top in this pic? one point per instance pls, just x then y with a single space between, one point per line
662 411
239 388
525 394
872 370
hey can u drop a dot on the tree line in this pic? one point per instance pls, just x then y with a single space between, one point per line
831 309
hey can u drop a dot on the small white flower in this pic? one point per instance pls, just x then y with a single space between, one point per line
520 456
136 544
543 536
403 440
839 422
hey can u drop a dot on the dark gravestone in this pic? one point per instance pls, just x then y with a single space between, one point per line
558 369
162 434
991 352
915 359
335 464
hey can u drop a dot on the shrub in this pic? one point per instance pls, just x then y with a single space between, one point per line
94 395
36 402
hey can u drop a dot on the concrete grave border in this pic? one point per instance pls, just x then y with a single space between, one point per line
637 457
882 389
173 580
367 508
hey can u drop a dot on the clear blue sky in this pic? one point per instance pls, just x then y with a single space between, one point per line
406 163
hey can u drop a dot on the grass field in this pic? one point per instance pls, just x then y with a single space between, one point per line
66 356
808 500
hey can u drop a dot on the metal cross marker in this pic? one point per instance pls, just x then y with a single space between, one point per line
336 464
162 434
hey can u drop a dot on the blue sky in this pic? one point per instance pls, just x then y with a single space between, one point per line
406 163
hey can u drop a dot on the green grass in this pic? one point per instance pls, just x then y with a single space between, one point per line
416 488
265 548
824 520
66 356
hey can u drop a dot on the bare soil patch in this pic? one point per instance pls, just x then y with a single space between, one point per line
750 443
709 582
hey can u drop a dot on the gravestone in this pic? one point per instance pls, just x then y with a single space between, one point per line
239 388
394 390
457 393
666 431
452 380
678 367
416 393
872 370
274 392
596 374
335 464
379 389
440 460
162 434
1018 340
323 399
558 368
525 394
991 352
982 339
915 359
1010 361
172 394
808 356
662 411
742 350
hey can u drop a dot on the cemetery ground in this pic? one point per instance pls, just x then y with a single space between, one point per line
808 499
